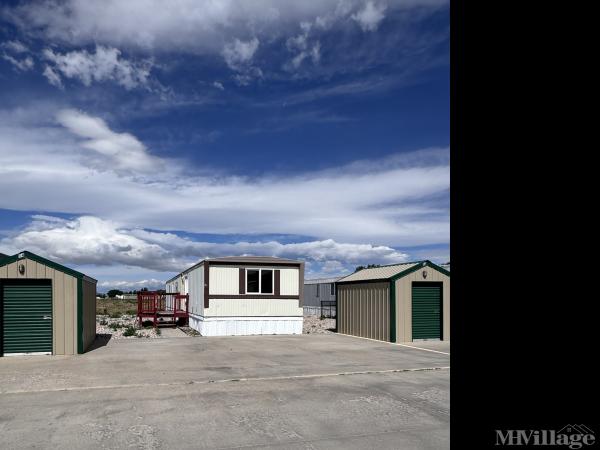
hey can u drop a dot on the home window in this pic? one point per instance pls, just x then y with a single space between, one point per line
332 289
318 290
259 281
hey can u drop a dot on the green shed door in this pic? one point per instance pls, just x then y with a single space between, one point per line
426 311
27 318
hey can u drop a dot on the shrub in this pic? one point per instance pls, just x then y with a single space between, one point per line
130 331
115 315
103 321
131 312
115 326
158 332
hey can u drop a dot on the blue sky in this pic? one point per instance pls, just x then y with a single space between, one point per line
135 141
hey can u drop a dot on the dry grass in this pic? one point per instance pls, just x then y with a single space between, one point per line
115 307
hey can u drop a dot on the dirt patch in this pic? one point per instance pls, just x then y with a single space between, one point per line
115 308
313 324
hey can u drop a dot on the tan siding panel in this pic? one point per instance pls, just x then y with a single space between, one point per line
364 310
404 302
242 307
12 270
224 280
289 282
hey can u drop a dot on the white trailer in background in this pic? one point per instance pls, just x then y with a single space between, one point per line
234 296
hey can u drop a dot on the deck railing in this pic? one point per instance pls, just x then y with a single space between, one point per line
153 304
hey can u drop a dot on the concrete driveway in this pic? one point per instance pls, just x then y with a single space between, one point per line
285 392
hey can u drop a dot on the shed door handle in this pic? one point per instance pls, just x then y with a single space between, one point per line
46 317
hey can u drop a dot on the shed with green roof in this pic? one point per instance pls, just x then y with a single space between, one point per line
395 303
45 307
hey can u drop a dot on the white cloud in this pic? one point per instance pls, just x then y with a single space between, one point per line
23 65
400 200
151 284
90 240
218 85
52 77
303 48
195 26
15 46
120 151
370 16
105 64
238 54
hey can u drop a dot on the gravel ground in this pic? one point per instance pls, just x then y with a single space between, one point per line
103 327
314 325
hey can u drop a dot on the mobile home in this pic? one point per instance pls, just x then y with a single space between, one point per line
243 295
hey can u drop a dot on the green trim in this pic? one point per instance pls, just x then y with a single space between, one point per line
79 315
417 266
44 261
392 311
420 265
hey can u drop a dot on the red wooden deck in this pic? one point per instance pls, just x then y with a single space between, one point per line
162 308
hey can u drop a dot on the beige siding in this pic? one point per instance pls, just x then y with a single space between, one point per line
89 313
252 307
404 302
364 310
289 282
64 302
196 290
224 280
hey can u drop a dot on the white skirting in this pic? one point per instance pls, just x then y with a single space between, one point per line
244 326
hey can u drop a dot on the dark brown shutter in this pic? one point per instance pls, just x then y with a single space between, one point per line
206 281
277 283
242 280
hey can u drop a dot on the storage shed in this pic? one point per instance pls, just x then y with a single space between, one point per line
395 303
243 295
45 308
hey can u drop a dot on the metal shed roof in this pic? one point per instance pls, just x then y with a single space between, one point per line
322 280
46 262
391 271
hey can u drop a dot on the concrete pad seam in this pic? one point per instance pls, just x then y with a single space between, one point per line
394 343
226 380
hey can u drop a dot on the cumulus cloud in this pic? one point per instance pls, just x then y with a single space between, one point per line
189 25
23 65
303 48
13 53
370 16
90 240
218 85
399 200
105 64
52 77
121 151
151 284
238 55
15 46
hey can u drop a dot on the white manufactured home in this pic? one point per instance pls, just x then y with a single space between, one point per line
234 296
